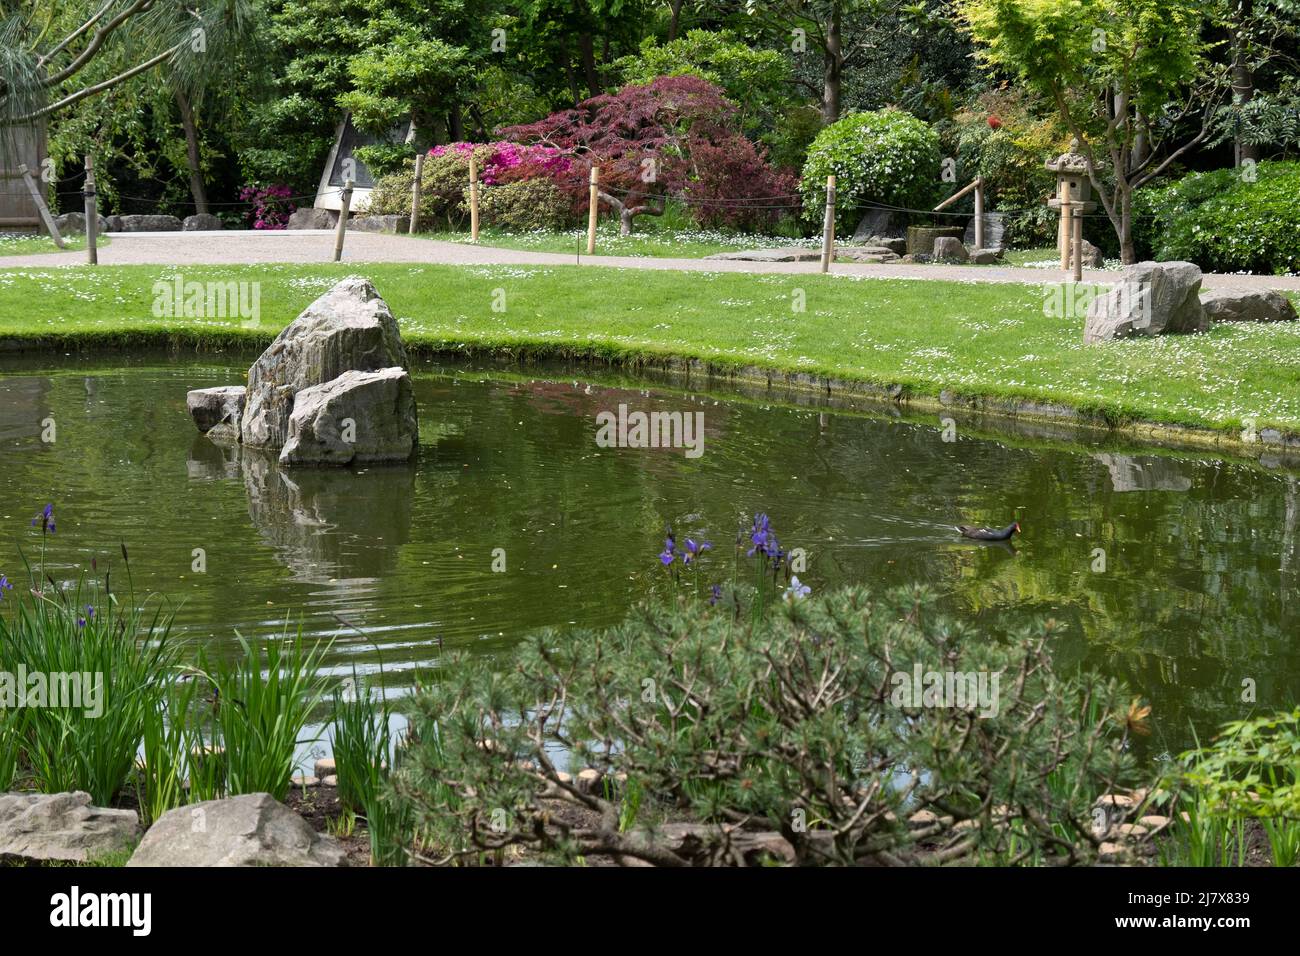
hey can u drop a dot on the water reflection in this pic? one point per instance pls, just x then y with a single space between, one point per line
1199 591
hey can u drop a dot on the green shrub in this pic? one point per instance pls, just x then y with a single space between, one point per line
444 192
790 724
528 205
1222 222
887 157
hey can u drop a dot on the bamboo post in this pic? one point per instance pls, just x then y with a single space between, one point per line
591 210
341 229
415 194
43 209
1077 215
828 226
1063 230
979 213
473 197
92 212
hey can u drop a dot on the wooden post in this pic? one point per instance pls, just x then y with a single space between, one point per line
979 213
828 226
1063 229
342 226
92 212
43 209
473 197
591 210
415 193
1077 215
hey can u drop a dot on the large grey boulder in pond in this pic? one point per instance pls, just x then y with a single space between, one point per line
201 222
213 407
62 826
1151 298
248 830
1247 305
357 418
150 224
348 329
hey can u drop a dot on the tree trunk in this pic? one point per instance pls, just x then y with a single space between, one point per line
455 127
676 7
1127 250
1243 79
588 49
197 189
832 68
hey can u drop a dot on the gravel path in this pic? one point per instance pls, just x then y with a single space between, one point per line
310 245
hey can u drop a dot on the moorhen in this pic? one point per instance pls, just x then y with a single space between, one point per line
989 534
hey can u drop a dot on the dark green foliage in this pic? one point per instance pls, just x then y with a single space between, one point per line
1223 222
787 724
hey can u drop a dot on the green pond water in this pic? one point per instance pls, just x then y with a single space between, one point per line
1201 589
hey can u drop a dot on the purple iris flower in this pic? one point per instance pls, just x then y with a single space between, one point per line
716 595
694 549
5 585
45 519
670 549
761 537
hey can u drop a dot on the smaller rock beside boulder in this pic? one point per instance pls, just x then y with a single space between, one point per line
113 224
62 826
150 224
950 249
309 217
356 418
985 257
217 411
1247 305
201 222
249 830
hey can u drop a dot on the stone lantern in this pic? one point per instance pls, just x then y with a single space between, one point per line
1074 199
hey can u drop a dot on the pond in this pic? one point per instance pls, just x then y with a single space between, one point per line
1175 571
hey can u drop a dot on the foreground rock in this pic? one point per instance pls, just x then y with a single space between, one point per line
62 826
249 830
348 329
217 408
1151 298
357 418
1247 305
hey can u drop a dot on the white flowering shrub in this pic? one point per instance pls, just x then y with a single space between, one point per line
887 157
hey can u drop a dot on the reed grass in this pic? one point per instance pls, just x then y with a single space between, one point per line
121 655
262 703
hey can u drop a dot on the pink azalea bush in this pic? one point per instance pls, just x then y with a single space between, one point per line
510 162
271 205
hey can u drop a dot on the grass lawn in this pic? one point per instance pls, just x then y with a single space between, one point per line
976 338
652 243
18 245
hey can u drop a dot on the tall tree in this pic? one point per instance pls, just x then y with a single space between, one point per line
1127 77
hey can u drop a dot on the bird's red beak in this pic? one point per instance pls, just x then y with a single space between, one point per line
1017 527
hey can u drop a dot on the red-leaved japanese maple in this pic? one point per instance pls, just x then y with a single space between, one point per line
676 137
